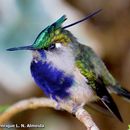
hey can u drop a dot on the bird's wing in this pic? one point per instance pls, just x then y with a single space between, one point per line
97 75
93 63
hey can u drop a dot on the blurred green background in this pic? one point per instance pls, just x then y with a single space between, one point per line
108 34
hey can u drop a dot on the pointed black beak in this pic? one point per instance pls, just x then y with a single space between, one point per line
21 48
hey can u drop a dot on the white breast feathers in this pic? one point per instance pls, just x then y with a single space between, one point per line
62 59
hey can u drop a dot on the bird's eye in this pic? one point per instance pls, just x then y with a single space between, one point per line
52 46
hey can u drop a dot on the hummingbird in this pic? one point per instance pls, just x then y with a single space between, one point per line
70 72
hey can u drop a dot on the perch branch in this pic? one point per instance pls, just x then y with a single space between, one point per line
34 103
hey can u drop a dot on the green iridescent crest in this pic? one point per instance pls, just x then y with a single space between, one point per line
45 37
53 34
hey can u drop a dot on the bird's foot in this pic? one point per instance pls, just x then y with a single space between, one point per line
76 107
58 107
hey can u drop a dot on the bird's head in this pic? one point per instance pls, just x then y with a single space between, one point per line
53 36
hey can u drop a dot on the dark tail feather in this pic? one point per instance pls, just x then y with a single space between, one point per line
106 98
21 48
121 91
